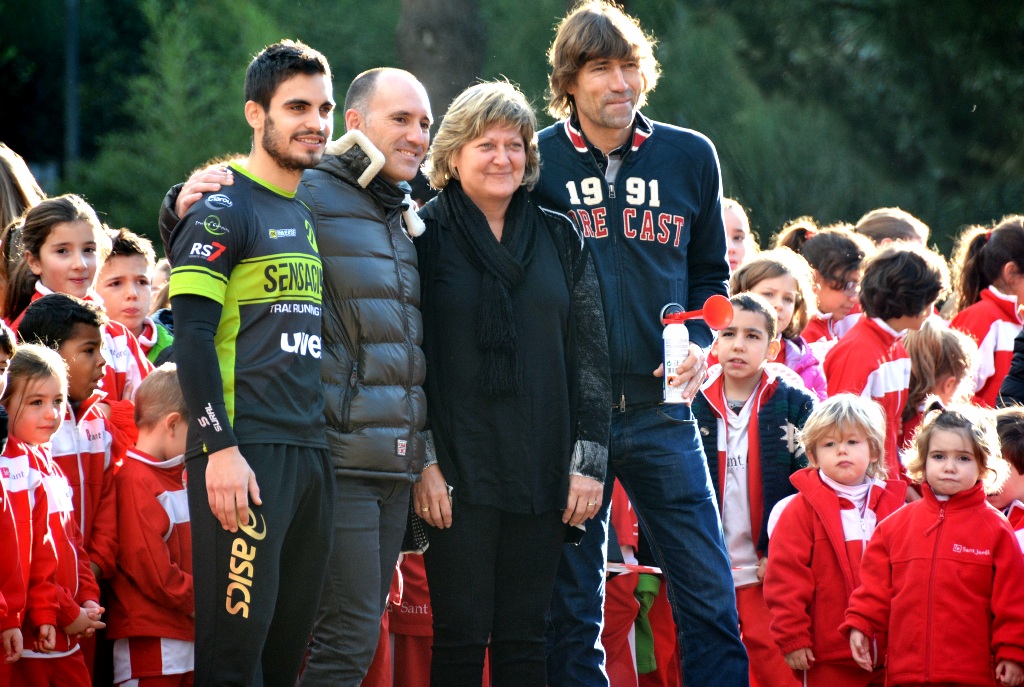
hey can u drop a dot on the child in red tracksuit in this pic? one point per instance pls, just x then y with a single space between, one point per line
990 285
62 595
943 575
125 284
898 292
818 537
94 435
63 244
152 607
836 255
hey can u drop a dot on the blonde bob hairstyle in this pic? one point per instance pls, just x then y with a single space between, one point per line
482 105
844 414
974 424
779 262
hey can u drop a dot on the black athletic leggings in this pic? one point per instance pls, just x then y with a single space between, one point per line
257 590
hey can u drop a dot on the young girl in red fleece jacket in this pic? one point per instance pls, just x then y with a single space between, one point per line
818 537
62 595
943 575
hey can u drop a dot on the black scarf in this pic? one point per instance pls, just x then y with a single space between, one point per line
503 266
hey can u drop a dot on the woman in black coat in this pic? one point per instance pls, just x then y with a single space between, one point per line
518 391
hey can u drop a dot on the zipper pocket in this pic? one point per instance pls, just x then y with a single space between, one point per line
346 408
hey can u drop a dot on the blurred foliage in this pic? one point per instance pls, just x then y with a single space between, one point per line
819 107
181 109
931 93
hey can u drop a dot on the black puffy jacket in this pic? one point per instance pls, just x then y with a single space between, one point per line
372 365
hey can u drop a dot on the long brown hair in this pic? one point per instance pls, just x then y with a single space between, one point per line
976 426
779 262
28 236
936 352
980 255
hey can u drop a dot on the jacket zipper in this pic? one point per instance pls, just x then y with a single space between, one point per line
614 235
931 593
81 471
404 300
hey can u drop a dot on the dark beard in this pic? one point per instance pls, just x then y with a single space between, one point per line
272 144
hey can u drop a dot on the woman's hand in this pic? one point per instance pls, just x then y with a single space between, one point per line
430 495
585 494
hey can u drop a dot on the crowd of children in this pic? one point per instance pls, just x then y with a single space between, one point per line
849 430
93 514
851 443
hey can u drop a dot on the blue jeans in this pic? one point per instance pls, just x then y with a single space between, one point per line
656 454
369 523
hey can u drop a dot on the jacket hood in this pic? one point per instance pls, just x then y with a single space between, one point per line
798 354
357 155
355 159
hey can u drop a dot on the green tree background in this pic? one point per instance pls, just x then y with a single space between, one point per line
817 107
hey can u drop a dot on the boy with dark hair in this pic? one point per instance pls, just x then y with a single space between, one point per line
1010 499
750 413
125 282
152 607
897 293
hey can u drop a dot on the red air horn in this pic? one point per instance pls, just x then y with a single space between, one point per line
717 312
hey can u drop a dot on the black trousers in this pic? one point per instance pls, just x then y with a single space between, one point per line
491 576
256 590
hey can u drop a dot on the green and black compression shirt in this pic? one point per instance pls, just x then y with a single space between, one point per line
247 279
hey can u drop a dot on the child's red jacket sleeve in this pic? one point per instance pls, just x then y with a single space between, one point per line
69 600
1008 599
12 583
789 581
103 543
871 602
88 588
41 602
